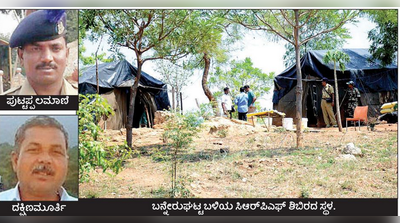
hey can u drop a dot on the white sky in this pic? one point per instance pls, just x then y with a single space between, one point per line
8 24
266 55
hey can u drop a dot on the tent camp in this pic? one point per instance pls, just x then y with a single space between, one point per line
377 85
115 81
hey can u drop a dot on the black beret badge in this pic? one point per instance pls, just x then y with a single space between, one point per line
60 28
56 16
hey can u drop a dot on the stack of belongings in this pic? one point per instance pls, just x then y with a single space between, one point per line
389 111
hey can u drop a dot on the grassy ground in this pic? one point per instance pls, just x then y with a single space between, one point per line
246 162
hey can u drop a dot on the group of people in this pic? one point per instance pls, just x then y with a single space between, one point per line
246 98
328 101
244 101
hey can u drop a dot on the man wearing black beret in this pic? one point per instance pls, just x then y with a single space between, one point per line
42 49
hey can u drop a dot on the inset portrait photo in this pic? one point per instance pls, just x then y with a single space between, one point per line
38 158
44 52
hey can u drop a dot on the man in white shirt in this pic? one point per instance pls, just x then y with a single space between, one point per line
40 161
226 102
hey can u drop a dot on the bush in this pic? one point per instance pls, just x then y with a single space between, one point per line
93 153
179 132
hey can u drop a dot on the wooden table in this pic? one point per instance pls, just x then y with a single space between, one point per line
269 114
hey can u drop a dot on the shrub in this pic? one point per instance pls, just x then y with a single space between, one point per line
93 153
179 132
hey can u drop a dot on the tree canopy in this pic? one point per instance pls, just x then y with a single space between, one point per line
239 74
384 36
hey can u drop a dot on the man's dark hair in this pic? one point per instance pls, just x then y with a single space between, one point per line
242 89
38 121
246 86
226 88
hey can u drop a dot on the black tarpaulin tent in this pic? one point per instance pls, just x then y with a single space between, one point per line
115 80
376 84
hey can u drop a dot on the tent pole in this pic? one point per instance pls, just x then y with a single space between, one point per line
181 103
10 65
147 115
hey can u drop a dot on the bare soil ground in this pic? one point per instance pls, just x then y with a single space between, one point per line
231 160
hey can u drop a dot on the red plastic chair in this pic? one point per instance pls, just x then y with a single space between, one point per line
360 114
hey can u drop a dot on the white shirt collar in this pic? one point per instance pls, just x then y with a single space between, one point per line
13 195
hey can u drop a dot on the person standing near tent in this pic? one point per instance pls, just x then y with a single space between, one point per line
353 95
241 101
226 103
327 103
252 99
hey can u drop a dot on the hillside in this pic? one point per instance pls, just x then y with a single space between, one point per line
237 160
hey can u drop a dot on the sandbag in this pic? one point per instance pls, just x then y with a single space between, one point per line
388 110
388 105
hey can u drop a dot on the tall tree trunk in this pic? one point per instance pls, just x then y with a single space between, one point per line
173 98
178 105
133 93
97 76
204 80
339 119
299 88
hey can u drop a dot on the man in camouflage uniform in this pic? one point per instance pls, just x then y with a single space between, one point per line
353 95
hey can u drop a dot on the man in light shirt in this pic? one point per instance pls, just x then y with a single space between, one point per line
40 161
226 102
241 101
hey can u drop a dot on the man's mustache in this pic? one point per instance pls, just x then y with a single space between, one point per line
51 65
46 169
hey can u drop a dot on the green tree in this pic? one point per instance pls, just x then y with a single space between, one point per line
297 27
151 34
327 41
176 75
241 73
91 60
210 37
337 58
384 37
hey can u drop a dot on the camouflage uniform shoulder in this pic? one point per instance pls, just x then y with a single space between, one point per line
12 91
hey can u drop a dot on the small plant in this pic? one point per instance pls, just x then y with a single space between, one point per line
92 194
179 130
159 155
181 191
280 129
347 185
251 140
236 176
371 124
222 133
304 193
206 111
